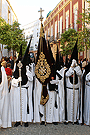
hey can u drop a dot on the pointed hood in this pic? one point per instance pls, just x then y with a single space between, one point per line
16 72
25 58
51 55
52 61
61 61
25 61
66 62
74 53
58 63
20 53
87 68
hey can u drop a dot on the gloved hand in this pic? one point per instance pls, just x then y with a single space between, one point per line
76 63
19 79
73 63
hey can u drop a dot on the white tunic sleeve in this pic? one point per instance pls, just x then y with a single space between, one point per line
70 72
78 70
54 82
29 73
4 76
1 89
15 82
88 77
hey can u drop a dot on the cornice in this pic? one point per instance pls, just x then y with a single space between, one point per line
11 8
65 4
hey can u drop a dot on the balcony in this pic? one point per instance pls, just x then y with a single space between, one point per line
58 36
51 39
55 40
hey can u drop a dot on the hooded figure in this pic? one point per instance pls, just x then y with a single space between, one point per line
73 90
86 95
5 105
74 53
53 104
16 69
15 91
43 73
61 61
20 94
60 70
67 62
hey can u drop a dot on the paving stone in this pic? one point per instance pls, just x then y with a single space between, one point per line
49 129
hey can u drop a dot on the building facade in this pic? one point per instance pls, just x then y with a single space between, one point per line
32 29
63 17
8 14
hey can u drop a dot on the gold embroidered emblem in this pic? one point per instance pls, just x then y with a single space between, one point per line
42 69
43 100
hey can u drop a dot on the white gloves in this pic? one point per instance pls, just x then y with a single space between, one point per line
74 63
27 68
54 82
19 79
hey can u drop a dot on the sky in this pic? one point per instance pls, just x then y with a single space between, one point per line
27 10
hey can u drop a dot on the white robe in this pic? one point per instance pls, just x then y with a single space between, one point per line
38 108
87 100
69 88
19 104
19 114
60 111
30 75
52 113
5 105
15 101
61 95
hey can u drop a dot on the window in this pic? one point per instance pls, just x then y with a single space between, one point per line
60 25
48 32
67 22
75 9
81 53
51 31
9 16
55 30
67 19
75 18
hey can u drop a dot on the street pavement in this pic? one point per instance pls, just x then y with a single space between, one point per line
49 129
